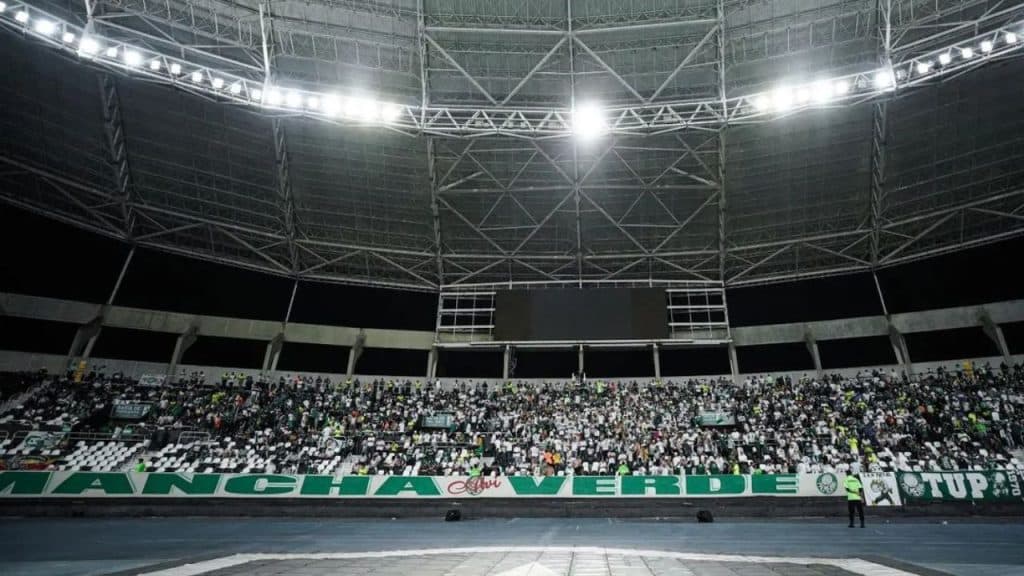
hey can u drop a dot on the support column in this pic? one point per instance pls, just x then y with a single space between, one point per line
506 363
579 364
734 365
899 347
812 348
273 353
995 333
184 342
657 362
432 363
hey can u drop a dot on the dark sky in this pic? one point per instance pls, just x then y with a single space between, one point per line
53 259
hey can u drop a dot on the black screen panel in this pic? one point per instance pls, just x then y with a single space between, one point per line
581 314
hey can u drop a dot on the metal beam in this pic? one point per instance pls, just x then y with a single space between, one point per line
285 196
682 63
117 151
608 68
462 70
534 70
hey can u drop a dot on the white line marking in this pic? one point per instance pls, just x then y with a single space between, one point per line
855 565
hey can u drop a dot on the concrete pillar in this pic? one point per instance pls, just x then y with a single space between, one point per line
995 333
812 348
506 363
657 362
899 347
432 363
734 365
579 362
85 339
273 353
353 354
184 342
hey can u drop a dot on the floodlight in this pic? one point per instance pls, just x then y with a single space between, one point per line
782 98
218 83
3 7
822 92
21 16
175 68
236 88
293 100
945 58
313 103
364 109
841 87
132 58
45 27
1011 38
197 77
761 102
588 121
924 67
256 94
986 46
884 78
88 46
331 105
154 65
68 38
967 52
274 97
112 52
803 95
390 112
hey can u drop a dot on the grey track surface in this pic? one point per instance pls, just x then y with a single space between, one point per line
101 546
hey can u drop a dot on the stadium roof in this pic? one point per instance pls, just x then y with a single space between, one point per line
744 141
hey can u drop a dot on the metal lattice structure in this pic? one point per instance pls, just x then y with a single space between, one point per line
478 180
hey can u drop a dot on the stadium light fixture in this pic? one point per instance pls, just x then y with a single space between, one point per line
132 58
175 68
390 112
197 77
112 52
45 27
366 109
68 38
154 65
986 46
332 106
924 67
313 103
256 94
884 78
21 16
822 92
588 121
841 87
88 46
274 97
803 95
293 100
762 103
1010 38
967 53
945 58
217 83
782 99
3 7
236 88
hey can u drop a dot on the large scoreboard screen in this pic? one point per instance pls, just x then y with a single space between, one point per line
581 314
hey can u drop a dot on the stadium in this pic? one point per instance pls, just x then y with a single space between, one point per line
520 288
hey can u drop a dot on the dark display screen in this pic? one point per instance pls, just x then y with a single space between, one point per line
581 314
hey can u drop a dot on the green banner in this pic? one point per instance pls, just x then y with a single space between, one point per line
21 484
983 485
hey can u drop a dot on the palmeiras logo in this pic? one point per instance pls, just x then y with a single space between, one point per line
827 483
912 484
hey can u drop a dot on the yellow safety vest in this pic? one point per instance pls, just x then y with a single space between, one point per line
853 488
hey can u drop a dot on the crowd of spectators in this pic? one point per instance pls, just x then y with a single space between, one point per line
872 421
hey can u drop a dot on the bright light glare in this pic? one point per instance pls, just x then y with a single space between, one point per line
3 6
761 102
841 87
390 112
218 83
88 46
293 100
132 58
175 68
112 52
945 59
967 53
986 46
21 16
331 105
822 92
68 38
154 65
197 76
803 95
924 67
313 103
883 78
1011 38
273 98
236 88
45 27
588 122
782 99
256 94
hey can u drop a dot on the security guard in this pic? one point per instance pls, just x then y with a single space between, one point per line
854 498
